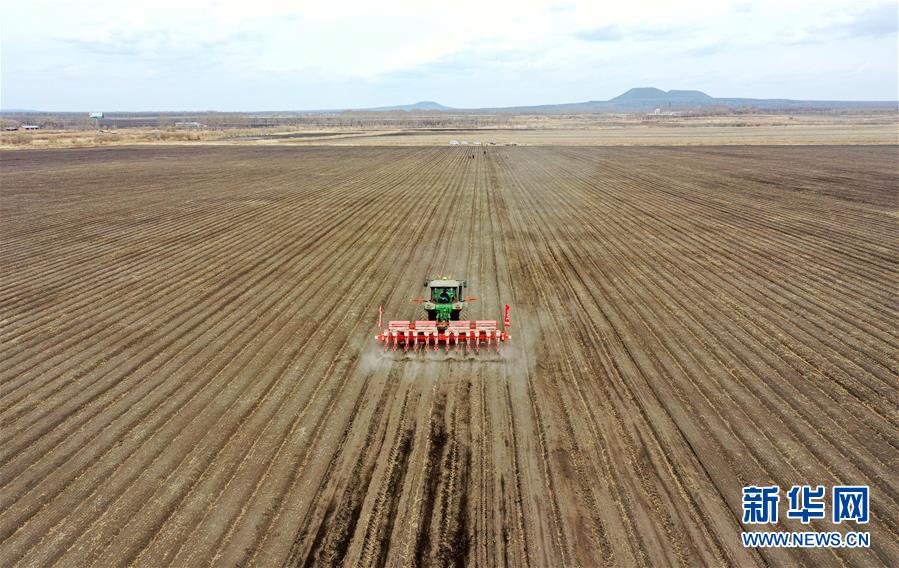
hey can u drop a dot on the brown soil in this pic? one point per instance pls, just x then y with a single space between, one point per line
189 375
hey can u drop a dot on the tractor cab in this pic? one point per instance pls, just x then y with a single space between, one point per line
445 300
444 294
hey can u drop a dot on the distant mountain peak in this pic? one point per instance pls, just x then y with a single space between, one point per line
420 105
431 105
652 93
639 93
688 94
648 99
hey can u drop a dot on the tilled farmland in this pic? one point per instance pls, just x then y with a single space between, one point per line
190 377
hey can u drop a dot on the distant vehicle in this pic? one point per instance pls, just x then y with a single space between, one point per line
454 142
30 127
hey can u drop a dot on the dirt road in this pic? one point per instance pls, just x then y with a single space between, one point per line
189 375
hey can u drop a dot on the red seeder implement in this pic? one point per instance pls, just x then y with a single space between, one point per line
426 334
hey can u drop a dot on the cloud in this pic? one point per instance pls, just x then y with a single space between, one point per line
558 8
160 44
708 49
877 21
614 32
468 62
605 33
114 48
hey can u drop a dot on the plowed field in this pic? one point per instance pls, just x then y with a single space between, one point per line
189 376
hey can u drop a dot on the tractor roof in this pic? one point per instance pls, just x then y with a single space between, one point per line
444 283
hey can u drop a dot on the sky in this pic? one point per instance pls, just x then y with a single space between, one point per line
99 55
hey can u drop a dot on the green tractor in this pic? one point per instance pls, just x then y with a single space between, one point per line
445 301
444 326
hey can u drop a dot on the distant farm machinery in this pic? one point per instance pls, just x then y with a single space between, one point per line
443 327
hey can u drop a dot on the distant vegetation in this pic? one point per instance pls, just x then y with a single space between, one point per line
429 114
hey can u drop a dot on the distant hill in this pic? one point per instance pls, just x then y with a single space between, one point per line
421 105
647 99
653 95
